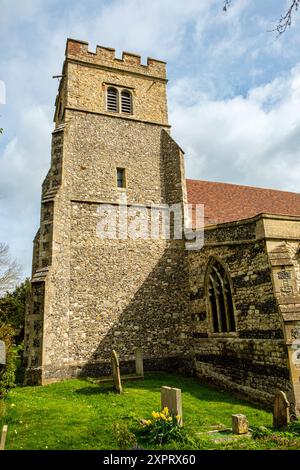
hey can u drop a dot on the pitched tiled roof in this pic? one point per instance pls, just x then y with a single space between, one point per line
225 202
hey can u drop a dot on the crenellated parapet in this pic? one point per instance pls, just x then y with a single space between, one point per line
105 56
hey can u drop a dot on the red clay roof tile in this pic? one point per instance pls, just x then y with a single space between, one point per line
224 202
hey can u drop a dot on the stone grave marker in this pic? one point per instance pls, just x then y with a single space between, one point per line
171 397
281 411
139 362
2 354
116 371
3 437
239 424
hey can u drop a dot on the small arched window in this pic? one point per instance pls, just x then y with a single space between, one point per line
126 102
112 100
220 300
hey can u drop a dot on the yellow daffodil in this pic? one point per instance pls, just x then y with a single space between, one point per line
166 410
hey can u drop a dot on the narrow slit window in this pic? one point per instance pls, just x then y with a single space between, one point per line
220 299
121 182
112 100
126 102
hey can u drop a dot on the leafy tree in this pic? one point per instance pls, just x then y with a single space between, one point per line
7 373
12 309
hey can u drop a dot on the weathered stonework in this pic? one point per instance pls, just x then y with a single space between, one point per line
283 250
105 294
92 295
254 360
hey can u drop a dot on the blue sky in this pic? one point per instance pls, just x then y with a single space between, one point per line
234 90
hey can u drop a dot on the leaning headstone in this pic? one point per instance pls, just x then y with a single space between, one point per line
171 397
239 424
116 371
281 412
2 354
139 362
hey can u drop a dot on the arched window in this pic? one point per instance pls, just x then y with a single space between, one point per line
220 302
112 100
126 102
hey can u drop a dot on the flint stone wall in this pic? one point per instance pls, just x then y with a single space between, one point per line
253 360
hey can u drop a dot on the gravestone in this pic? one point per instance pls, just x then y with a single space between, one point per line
139 362
3 437
239 424
281 412
2 354
171 397
116 371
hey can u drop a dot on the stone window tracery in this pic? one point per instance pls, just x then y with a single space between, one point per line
219 296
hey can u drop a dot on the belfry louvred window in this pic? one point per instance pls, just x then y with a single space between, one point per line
220 298
126 102
112 100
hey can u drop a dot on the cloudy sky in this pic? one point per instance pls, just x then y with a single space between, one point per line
234 90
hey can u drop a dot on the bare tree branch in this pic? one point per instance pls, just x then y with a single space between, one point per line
9 270
226 5
285 20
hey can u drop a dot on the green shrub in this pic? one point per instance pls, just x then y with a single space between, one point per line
162 428
2 411
12 309
7 374
294 427
125 438
260 432
20 367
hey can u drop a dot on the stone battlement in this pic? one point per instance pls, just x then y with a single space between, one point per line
105 57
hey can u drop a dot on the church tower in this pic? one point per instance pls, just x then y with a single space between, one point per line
90 295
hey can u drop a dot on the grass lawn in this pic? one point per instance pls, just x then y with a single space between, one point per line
79 414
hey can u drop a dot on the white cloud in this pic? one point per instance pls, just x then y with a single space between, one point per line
252 140
23 166
152 27
25 10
